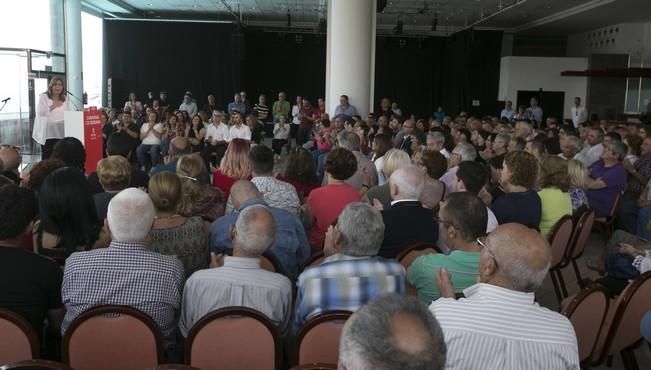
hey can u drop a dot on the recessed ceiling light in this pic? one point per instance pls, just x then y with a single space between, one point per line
194 6
150 4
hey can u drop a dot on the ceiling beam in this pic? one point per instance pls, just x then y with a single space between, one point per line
238 18
124 5
617 73
563 14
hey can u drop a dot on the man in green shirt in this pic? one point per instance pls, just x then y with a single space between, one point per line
462 219
280 107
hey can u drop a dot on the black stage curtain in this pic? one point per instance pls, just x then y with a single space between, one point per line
293 63
452 72
419 74
153 56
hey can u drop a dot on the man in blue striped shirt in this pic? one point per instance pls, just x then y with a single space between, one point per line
352 274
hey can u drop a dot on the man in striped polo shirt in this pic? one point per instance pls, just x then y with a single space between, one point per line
499 325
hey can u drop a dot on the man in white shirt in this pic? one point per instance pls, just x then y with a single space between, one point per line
239 280
238 130
579 114
507 113
188 105
216 139
499 325
436 141
276 193
593 148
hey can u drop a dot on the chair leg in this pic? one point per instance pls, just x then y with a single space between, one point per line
628 357
556 288
561 282
579 278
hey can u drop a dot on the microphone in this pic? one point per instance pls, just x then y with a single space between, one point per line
5 100
75 96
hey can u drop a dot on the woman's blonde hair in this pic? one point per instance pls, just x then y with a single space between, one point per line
577 172
165 191
236 163
553 173
394 159
192 172
114 173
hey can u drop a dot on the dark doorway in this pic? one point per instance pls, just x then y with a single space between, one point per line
551 102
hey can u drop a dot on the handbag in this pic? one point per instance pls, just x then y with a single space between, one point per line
620 266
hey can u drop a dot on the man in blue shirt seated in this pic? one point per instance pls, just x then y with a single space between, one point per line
352 273
344 109
290 249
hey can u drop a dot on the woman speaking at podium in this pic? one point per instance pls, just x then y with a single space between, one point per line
48 124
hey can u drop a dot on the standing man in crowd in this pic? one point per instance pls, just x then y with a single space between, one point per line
344 109
579 113
281 107
189 105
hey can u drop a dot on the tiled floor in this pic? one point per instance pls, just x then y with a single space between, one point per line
546 297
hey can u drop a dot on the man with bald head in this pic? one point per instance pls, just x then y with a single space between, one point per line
178 146
10 160
290 248
406 221
239 280
392 333
499 325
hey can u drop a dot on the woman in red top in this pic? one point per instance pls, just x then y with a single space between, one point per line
326 203
234 166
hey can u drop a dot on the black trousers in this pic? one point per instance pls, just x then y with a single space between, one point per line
212 154
46 150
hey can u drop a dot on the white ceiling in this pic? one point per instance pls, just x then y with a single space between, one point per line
531 16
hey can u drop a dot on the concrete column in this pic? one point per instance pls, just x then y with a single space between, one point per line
72 22
350 64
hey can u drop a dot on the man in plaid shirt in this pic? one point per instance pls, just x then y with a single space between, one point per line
125 274
352 274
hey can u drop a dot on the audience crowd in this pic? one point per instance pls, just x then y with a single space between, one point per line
188 205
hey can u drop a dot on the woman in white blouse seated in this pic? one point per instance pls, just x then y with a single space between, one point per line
48 125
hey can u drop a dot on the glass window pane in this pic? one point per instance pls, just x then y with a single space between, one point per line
632 95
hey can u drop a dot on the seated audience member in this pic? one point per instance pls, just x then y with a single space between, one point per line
500 311
125 273
593 148
199 197
625 262
39 172
520 203
188 105
239 280
114 174
403 138
554 183
179 146
300 172
234 166
30 285
461 153
71 151
639 174
433 165
607 179
406 221
277 193
290 248
10 160
238 129
119 145
381 145
365 168
577 174
195 132
352 273
472 177
324 204
150 137
536 146
216 138
436 141
173 234
281 134
569 147
67 218
516 144
393 159
461 220
392 333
